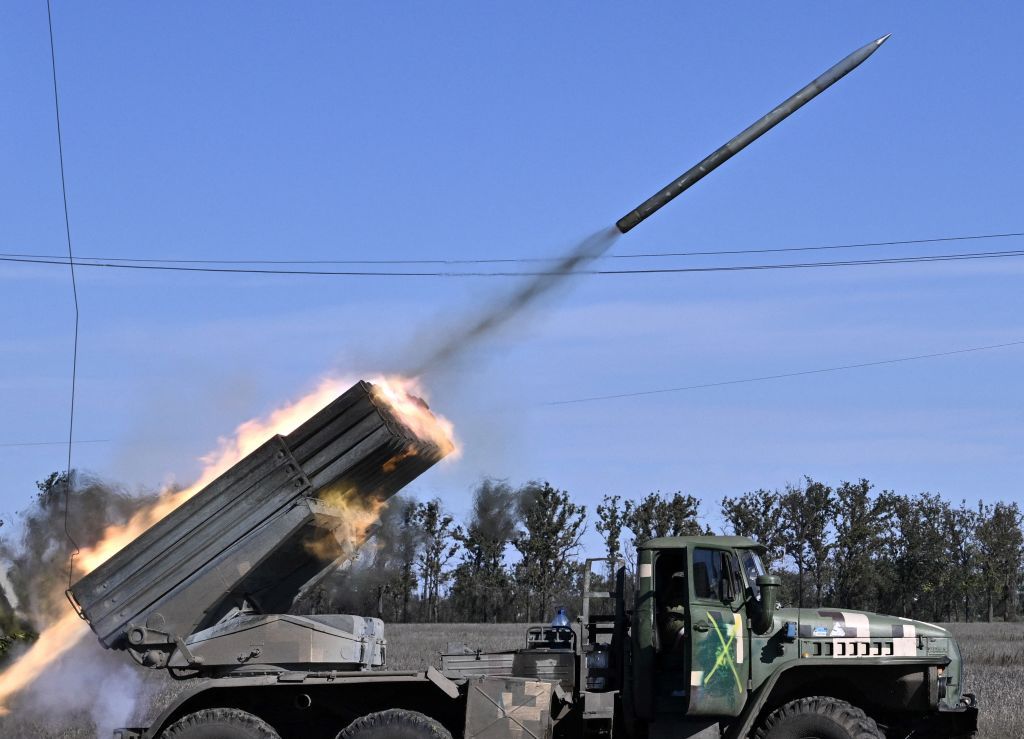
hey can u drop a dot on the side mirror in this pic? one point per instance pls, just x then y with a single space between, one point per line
764 611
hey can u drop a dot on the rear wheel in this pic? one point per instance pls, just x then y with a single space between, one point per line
395 724
818 718
220 723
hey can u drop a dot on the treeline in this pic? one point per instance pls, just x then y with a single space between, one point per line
512 558
516 557
906 555
516 554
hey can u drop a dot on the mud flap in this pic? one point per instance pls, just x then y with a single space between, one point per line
508 708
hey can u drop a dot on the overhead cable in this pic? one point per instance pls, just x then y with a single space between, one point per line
527 260
506 274
800 373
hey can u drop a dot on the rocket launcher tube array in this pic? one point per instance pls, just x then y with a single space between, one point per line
743 139
257 533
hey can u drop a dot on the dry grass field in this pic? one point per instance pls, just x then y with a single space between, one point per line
994 655
994 667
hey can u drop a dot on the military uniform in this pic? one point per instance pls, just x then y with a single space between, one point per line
672 615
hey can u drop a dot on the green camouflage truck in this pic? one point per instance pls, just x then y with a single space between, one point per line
700 650
748 668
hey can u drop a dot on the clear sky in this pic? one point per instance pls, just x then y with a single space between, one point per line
481 130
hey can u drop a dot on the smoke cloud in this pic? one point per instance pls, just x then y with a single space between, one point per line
87 684
461 339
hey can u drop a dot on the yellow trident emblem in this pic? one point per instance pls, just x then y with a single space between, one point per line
724 653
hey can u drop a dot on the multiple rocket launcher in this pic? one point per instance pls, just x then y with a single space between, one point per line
244 547
213 573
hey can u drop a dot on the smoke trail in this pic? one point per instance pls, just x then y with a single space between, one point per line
462 338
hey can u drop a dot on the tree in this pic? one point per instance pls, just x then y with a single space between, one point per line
481 582
758 515
656 516
961 534
389 575
552 526
610 521
858 525
806 513
439 546
914 555
1000 545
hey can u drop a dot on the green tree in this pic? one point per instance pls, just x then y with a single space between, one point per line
914 555
806 514
482 582
439 545
961 536
610 522
655 516
390 578
758 515
1000 545
552 526
859 526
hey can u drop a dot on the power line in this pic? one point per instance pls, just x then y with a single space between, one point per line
526 260
505 274
51 443
800 373
74 291
904 242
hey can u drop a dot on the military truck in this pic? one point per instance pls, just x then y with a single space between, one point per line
700 649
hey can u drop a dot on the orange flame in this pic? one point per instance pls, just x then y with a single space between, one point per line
354 512
403 395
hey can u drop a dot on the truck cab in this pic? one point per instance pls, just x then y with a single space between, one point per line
711 654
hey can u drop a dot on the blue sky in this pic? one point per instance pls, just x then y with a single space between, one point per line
465 130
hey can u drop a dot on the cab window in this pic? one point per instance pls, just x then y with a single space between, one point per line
715 575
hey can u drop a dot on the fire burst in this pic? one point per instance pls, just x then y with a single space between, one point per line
403 395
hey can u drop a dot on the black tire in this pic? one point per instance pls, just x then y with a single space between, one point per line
220 723
818 718
395 724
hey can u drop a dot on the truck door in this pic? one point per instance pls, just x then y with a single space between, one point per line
719 646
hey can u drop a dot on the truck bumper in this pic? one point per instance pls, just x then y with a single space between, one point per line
951 723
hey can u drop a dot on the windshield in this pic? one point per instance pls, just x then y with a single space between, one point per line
752 568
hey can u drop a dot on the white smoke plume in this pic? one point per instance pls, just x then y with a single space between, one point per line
87 686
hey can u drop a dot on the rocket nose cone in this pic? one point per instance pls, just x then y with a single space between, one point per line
882 40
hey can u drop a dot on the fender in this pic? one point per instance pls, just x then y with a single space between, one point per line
757 700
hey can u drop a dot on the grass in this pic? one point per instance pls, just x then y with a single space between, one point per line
994 672
417 646
993 653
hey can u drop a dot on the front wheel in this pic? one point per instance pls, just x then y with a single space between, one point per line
395 724
818 718
220 723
